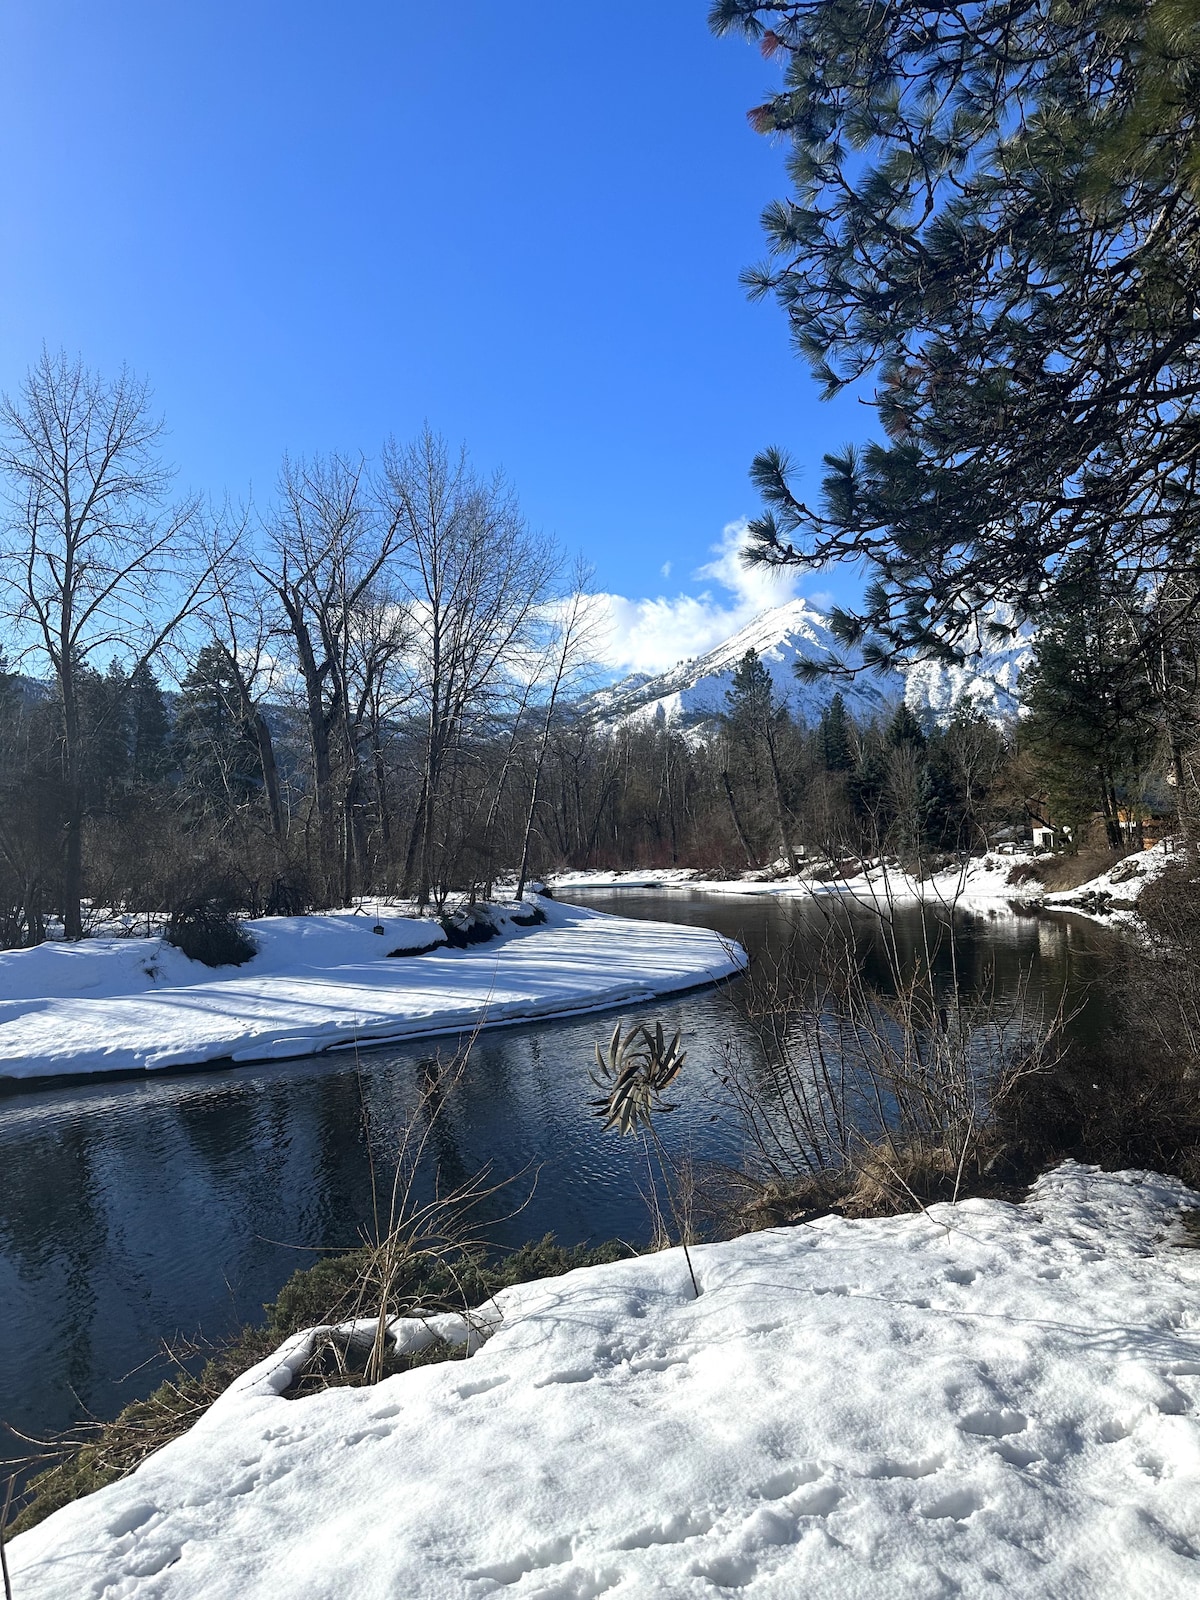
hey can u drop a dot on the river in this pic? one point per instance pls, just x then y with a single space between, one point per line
133 1210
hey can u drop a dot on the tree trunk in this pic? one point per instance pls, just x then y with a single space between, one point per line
270 771
73 845
73 869
737 821
785 832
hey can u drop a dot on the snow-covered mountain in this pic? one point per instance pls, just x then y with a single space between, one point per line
694 691
988 678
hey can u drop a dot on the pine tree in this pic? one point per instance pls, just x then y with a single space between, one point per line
995 219
102 713
904 729
834 736
754 719
215 751
750 698
148 728
1089 724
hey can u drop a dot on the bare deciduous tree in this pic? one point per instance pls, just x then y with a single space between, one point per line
96 561
240 620
568 650
329 545
476 577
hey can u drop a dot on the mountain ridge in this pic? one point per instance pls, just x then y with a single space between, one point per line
692 693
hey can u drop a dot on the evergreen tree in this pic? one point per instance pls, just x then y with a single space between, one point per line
834 737
904 729
965 760
866 782
216 752
1089 722
148 728
995 216
755 719
750 699
102 711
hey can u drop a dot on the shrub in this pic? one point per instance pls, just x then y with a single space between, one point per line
531 917
873 1097
207 931
1129 1098
1025 872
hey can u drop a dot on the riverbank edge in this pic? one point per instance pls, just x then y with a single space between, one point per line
711 960
982 884
307 1305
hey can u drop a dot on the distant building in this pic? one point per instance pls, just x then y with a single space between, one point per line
1050 835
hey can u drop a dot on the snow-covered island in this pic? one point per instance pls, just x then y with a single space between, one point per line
320 982
977 1400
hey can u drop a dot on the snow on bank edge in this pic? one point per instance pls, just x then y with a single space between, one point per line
982 1399
980 884
322 983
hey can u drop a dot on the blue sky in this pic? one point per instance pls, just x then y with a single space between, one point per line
314 225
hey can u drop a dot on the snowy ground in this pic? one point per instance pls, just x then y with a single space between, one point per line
106 1005
981 1400
979 884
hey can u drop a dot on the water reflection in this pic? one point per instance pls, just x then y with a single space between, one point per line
136 1209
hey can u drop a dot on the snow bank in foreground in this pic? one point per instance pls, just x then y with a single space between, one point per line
108 1005
981 1400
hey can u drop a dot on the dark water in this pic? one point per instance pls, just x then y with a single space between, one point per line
135 1209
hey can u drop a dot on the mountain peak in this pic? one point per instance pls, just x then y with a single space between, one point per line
693 692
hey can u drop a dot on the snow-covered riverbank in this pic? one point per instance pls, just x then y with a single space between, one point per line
981 883
319 982
978 1400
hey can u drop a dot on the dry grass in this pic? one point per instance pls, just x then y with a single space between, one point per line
1062 873
96 1452
871 1100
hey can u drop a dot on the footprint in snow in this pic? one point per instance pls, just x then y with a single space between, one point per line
467 1391
731 1571
133 1518
155 1561
993 1424
784 1483
1114 1430
580 1584
817 1502
367 1433
656 1363
551 1554
956 1506
1017 1455
923 1468
673 1529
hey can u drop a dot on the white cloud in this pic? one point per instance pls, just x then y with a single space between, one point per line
651 635
666 569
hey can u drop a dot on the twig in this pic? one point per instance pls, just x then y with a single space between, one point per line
12 1483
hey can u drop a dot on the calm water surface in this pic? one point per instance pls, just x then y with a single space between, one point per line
135 1209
